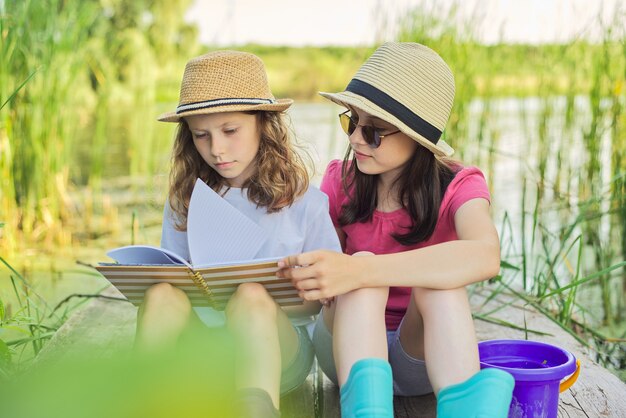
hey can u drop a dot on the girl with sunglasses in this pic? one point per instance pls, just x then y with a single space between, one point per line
415 228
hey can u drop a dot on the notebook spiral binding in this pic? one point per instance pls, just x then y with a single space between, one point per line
199 281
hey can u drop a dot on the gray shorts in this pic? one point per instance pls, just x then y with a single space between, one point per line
409 374
295 373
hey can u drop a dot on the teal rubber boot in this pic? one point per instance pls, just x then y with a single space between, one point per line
487 394
368 391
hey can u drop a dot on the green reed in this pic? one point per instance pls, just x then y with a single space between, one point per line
63 67
606 111
552 263
28 320
22 323
618 191
40 73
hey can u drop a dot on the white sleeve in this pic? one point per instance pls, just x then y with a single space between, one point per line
321 233
171 238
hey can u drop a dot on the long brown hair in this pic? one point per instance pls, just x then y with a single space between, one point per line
421 185
281 176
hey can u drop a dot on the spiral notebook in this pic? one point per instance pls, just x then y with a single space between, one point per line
223 244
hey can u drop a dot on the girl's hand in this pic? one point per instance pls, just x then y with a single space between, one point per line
323 274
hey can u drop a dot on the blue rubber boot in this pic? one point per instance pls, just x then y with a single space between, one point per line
368 391
487 394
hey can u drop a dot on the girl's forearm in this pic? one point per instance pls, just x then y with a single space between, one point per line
444 266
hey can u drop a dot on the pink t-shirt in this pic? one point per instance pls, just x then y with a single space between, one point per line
375 235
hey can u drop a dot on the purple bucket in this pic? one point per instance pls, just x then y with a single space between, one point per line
538 369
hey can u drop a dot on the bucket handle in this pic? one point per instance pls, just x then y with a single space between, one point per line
570 380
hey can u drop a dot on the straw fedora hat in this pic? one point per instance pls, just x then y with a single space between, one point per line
224 81
407 85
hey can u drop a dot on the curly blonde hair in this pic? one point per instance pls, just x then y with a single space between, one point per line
281 176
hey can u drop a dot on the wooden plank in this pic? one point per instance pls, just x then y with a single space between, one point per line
418 406
106 328
300 403
328 395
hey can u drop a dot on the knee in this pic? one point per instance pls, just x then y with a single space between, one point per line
251 301
372 296
434 300
165 299
440 295
164 294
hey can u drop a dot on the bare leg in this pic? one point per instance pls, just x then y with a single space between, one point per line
162 318
264 337
452 359
359 330
438 327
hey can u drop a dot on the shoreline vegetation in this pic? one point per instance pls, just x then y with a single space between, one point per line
74 74
501 70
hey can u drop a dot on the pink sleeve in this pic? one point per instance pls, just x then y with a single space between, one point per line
331 185
468 184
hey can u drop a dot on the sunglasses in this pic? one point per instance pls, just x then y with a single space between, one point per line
371 135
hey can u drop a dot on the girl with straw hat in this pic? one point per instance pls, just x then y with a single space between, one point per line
232 134
421 226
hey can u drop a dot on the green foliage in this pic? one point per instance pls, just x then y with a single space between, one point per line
26 322
32 123
487 71
59 62
193 380
555 265
5 354
5 357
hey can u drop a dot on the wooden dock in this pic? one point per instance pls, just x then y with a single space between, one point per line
104 327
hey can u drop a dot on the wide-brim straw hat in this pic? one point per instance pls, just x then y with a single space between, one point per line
408 85
224 81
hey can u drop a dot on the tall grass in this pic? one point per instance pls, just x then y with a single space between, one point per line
63 67
24 323
618 174
40 72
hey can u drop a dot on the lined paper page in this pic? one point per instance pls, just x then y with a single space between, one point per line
217 232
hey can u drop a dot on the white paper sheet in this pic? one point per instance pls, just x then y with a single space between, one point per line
217 232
